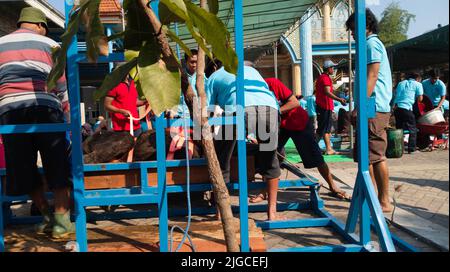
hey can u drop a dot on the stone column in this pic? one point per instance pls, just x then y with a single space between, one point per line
307 58
284 75
326 22
296 80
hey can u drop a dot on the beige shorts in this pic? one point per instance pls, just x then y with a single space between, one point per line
377 138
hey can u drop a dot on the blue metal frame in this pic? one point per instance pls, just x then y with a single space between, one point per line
365 205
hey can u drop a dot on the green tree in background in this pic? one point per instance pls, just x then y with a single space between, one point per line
395 24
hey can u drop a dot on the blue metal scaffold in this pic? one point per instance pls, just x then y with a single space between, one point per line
365 205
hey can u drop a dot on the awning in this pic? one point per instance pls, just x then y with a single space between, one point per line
429 49
264 20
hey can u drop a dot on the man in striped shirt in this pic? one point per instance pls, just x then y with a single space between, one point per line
25 63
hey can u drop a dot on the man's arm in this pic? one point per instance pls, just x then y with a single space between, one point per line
109 107
140 103
372 77
333 96
441 102
291 104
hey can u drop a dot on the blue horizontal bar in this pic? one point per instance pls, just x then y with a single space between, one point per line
112 192
338 226
120 200
299 223
229 120
341 248
113 57
34 128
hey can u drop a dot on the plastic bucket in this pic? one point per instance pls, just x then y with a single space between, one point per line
432 118
395 143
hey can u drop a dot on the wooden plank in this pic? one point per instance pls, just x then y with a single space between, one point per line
207 236
175 176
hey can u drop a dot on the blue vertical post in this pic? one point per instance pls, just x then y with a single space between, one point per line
306 57
362 124
110 47
162 186
163 211
73 79
2 238
369 203
242 152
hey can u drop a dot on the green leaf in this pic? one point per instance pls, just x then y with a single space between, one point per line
213 6
215 33
59 55
166 16
173 9
159 79
129 56
138 28
176 39
96 40
113 79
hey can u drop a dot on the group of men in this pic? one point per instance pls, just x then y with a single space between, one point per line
409 92
272 112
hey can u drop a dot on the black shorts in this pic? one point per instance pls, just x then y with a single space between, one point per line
21 152
306 145
324 121
262 122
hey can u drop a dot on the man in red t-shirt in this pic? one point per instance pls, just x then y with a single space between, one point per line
295 125
325 104
122 102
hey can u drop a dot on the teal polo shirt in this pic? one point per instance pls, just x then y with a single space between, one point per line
183 110
406 93
311 106
221 90
434 91
376 53
303 103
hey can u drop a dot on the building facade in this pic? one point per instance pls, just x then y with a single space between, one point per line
330 40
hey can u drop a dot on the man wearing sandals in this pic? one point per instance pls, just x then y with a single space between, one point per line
295 125
325 105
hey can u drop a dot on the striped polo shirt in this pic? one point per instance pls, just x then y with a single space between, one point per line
25 63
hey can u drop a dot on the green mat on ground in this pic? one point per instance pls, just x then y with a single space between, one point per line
293 156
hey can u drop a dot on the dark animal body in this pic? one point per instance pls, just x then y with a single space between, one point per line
110 146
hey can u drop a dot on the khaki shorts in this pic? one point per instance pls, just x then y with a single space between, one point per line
377 138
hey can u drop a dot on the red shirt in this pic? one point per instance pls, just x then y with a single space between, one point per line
322 100
296 119
125 97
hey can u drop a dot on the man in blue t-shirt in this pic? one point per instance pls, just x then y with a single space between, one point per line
435 90
261 114
408 91
379 86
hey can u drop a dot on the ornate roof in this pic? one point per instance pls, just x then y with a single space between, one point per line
110 8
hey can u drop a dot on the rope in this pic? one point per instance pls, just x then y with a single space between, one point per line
188 193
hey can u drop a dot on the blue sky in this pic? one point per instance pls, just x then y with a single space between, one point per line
429 13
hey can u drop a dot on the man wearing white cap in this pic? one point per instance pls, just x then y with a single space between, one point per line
325 105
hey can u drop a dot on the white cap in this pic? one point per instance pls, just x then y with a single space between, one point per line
328 64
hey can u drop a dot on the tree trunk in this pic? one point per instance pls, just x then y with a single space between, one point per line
220 190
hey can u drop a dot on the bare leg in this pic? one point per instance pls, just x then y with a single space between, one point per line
62 200
40 201
372 176
327 139
381 173
325 172
272 188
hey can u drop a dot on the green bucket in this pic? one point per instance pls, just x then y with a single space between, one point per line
395 143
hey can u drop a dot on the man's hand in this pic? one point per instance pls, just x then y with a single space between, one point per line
343 101
125 113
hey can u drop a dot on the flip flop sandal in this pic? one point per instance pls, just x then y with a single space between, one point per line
258 198
341 195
